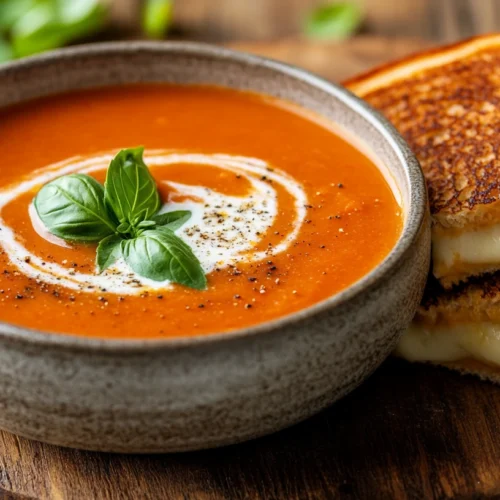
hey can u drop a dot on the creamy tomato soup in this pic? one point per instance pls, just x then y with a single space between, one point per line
284 211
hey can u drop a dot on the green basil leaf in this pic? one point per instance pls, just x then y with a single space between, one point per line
146 224
173 220
108 252
124 228
72 207
50 24
157 17
333 21
161 255
130 189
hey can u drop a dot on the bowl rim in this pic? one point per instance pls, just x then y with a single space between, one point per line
415 213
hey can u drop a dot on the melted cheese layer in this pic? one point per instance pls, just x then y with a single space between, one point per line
480 247
445 343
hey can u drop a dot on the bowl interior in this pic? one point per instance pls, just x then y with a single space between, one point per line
191 63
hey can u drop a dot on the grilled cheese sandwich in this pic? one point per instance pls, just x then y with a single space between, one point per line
455 325
446 103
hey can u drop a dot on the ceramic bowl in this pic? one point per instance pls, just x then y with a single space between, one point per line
192 393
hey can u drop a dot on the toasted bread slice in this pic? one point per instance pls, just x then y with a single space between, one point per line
472 367
446 103
458 328
477 301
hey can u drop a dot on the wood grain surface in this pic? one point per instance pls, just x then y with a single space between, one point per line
411 431
259 20
335 61
224 20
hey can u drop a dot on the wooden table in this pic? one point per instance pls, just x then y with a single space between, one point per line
227 20
411 431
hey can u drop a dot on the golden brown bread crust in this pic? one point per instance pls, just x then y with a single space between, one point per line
446 103
470 366
474 301
398 69
462 273
477 368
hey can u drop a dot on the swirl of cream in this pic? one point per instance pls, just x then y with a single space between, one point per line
222 231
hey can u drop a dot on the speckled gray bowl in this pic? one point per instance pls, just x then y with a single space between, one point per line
185 394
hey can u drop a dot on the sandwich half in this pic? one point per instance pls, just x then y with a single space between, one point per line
446 103
458 328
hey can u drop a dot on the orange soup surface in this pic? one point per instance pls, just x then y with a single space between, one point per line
285 211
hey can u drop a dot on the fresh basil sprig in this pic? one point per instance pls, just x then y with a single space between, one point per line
131 191
72 207
160 253
108 252
172 220
123 218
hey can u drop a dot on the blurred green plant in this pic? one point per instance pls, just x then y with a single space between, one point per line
5 51
157 17
335 21
31 26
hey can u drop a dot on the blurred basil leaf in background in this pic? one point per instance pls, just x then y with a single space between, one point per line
11 11
334 21
51 24
31 26
6 53
157 17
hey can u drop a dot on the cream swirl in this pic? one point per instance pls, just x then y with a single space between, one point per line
223 230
